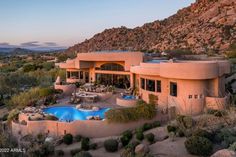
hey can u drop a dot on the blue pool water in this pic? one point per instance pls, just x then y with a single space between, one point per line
70 113
128 97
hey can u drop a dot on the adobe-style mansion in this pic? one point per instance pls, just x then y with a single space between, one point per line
189 86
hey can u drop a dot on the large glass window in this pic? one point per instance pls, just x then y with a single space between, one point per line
173 89
81 75
150 85
112 67
142 83
158 86
68 74
75 74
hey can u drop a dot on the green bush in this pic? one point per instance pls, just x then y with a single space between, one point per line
59 153
128 134
197 145
147 126
68 139
111 145
150 137
125 115
225 137
132 145
139 135
78 138
124 140
171 128
93 146
203 133
85 144
126 137
75 151
83 154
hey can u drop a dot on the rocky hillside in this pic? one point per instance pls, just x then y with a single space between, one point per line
206 25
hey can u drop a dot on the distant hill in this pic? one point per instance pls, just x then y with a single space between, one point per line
206 25
11 51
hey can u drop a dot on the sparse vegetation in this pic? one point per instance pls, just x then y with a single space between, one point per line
124 115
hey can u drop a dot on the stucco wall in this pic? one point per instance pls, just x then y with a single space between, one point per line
67 89
87 128
216 103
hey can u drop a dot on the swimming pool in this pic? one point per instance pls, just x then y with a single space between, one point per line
128 97
70 113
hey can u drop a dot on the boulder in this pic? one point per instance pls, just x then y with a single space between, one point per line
224 153
95 108
78 106
49 139
141 148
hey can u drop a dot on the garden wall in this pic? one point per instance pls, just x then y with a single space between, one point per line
87 128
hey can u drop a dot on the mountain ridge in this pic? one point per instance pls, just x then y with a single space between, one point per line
203 26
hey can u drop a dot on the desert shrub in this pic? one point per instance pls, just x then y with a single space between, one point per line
74 151
147 126
127 153
232 147
124 115
171 128
203 133
83 154
150 137
59 153
216 113
152 99
43 92
225 137
85 144
111 145
27 98
156 124
139 135
185 122
197 145
93 146
13 115
68 139
51 117
180 133
4 118
78 138
132 145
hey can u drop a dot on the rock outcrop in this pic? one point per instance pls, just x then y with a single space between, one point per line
206 25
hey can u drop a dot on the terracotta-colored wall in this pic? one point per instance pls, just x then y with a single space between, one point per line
87 128
67 89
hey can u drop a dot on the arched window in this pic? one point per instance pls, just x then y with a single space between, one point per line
112 67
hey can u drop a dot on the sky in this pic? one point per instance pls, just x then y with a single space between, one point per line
63 23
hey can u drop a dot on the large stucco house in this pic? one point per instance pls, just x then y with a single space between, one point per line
189 86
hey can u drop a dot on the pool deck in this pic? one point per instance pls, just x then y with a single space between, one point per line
110 102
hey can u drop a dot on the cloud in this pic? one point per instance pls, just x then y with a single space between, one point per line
30 44
4 44
50 44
